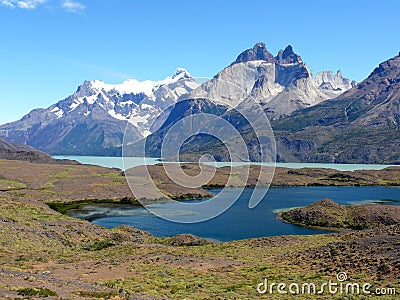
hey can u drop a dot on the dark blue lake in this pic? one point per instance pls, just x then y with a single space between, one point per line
240 222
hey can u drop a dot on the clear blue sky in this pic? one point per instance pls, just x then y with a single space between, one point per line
49 47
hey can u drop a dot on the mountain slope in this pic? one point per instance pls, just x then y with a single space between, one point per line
12 151
359 126
92 121
181 110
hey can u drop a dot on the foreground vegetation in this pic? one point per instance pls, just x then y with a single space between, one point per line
44 254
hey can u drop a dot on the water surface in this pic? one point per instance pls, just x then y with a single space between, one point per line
117 162
240 222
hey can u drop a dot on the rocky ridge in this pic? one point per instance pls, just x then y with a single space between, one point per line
11 151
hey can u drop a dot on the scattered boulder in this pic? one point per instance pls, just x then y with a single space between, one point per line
187 240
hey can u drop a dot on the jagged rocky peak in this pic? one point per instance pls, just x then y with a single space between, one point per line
388 68
181 73
89 87
288 56
282 83
327 80
258 52
386 74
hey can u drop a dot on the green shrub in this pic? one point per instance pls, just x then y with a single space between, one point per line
40 292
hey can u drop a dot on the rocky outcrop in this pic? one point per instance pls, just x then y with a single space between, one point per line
187 240
326 213
288 56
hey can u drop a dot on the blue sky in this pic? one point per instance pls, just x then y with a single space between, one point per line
49 47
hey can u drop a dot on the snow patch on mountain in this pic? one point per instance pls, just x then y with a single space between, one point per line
142 123
57 112
115 115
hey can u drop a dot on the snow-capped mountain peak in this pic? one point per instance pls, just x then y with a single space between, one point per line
130 100
99 111
130 86
181 73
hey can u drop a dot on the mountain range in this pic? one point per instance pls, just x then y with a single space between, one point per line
321 118
92 121
360 125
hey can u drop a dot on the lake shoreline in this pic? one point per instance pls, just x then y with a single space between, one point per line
118 162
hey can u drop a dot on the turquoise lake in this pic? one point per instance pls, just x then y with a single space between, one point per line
238 222
117 162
